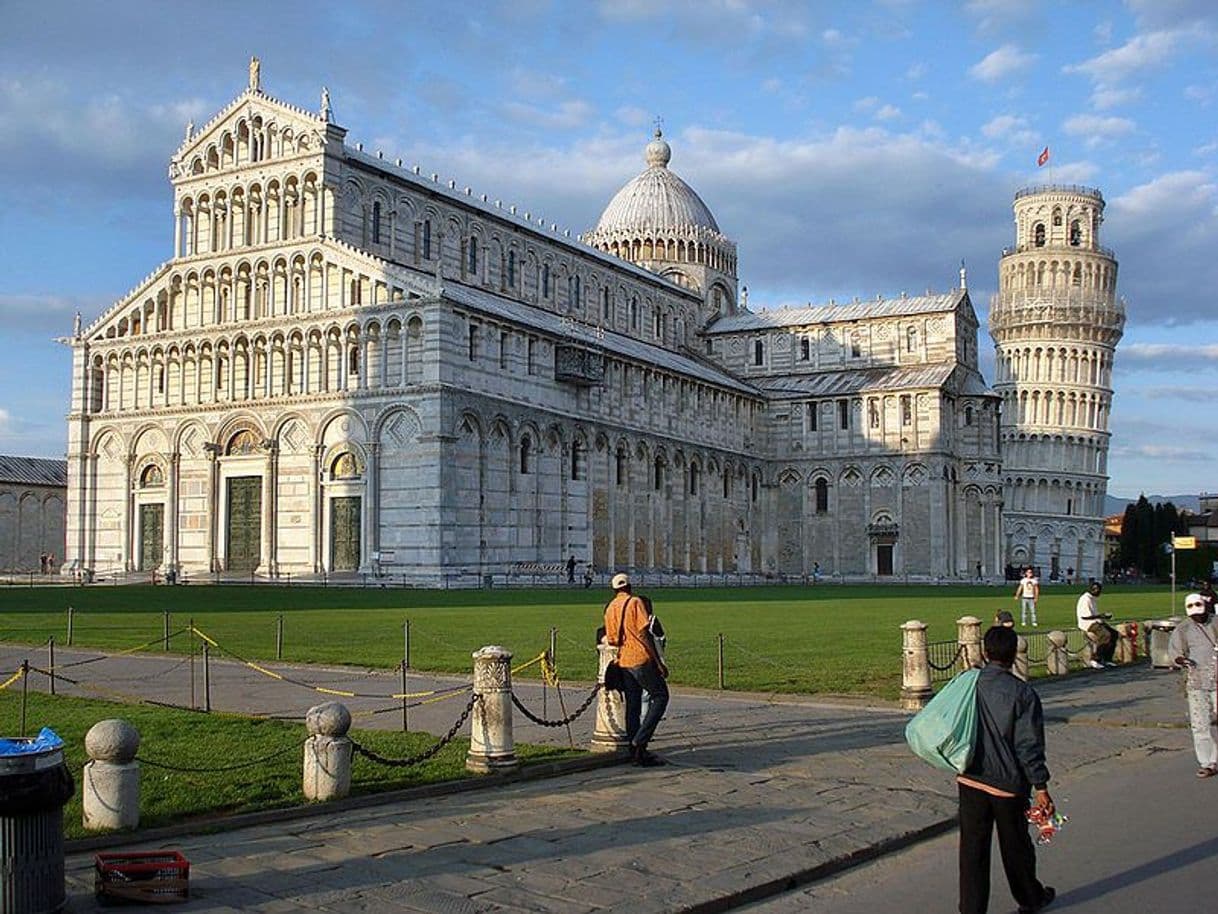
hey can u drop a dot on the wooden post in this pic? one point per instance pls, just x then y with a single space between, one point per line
71 613
279 637
166 629
51 662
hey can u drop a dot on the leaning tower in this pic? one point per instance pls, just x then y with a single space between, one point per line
1056 321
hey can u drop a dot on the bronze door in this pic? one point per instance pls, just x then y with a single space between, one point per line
344 534
243 551
883 559
152 536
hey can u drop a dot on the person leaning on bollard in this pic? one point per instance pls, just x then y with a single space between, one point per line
1008 763
626 626
1194 645
1091 622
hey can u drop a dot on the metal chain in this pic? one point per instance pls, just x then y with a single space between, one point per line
249 764
542 722
951 663
422 756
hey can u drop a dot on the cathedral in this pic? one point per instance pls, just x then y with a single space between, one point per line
348 366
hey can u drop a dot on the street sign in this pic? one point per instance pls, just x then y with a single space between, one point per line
1184 542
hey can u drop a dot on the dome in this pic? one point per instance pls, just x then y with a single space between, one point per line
657 200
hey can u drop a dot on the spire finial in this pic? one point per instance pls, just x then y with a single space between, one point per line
963 276
659 125
255 75
658 152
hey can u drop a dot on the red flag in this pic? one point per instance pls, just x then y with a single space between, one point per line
1043 157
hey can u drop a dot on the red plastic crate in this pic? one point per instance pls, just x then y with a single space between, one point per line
157 877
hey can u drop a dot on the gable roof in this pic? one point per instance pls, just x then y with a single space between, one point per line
33 471
834 313
249 96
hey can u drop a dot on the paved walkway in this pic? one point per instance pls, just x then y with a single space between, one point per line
760 794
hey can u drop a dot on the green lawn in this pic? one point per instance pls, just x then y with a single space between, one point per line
197 740
827 639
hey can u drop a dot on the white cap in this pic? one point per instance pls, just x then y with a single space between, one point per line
620 580
1194 604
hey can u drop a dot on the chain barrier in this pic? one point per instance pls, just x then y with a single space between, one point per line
951 663
426 754
239 765
322 690
111 694
744 650
14 678
542 722
125 652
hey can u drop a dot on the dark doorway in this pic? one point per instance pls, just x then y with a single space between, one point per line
883 559
344 534
152 536
243 550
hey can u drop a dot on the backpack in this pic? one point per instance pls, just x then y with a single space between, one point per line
655 628
945 731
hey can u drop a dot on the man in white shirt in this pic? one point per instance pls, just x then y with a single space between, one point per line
1091 621
1194 647
1027 592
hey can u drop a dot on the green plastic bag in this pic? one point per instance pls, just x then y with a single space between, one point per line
945 731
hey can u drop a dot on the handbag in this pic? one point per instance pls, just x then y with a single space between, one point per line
945 731
615 679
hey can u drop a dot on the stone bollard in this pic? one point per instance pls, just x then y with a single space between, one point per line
1126 650
915 674
968 636
110 784
327 752
1160 637
1021 658
491 747
1057 659
610 732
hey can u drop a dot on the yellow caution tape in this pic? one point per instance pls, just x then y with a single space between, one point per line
210 641
8 682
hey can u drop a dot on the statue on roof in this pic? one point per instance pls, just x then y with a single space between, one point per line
325 104
255 74
76 326
190 130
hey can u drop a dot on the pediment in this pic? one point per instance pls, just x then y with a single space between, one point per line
253 127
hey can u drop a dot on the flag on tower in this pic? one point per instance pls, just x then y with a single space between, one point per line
1043 157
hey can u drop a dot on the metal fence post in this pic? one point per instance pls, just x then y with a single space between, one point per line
71 613
25 688
206 677
720 646
192 664
51 662
405 667
279 637
166 628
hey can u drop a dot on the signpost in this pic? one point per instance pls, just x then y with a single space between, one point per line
1177 543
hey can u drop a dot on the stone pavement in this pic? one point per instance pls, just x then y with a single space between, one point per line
760 795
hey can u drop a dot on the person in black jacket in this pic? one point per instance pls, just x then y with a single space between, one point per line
1008 764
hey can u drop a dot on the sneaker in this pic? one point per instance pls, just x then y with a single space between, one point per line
1207 772
1109 663
1095 664
1045 900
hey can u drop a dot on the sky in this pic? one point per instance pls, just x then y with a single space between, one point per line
850 148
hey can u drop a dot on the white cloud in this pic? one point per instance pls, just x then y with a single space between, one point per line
1166 357
1096 129
1007 61
6 422
1161 452
1011 129
916 71
1142 52
564 116
1203 95
1107 97
887 113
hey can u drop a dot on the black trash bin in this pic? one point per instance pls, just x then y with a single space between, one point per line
34 786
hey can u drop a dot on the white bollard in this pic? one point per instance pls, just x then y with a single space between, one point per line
915 675
1021 658
1058 658
491 746
968 637
327 752
110 784
610 732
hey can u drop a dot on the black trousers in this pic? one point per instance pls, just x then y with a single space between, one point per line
980 812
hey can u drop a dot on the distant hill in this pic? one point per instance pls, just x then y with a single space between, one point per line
1116 505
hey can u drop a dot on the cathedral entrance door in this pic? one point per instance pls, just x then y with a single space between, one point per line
243 549
883 559
152 536
344 534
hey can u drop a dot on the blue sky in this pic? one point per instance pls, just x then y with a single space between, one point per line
851 148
